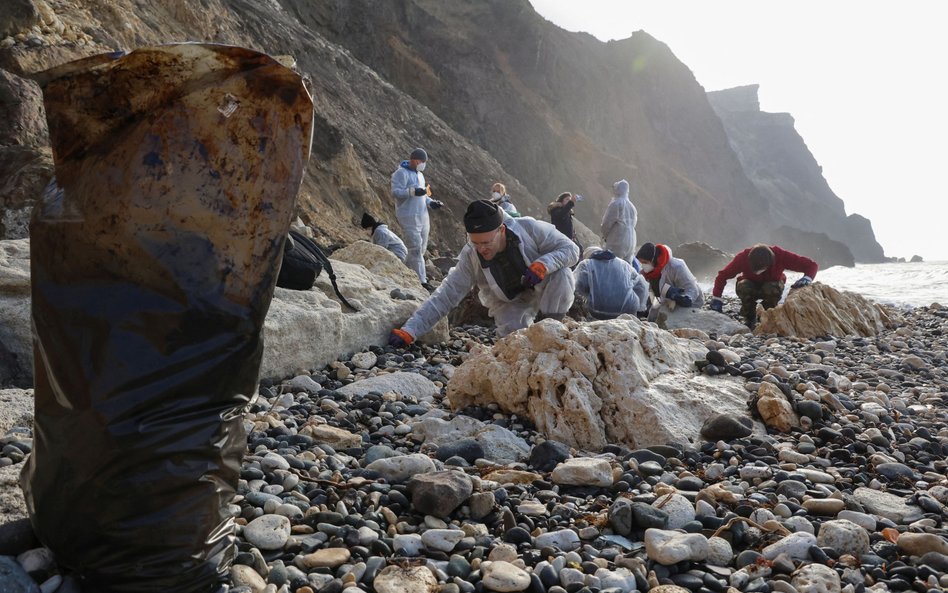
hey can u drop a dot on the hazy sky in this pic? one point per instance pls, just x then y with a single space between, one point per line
865 81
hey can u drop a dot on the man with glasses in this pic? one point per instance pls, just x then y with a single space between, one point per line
521 268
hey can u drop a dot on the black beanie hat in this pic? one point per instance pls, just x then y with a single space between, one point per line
419 154
368 221
482 216
646 252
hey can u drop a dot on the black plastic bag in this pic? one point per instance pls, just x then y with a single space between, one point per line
300 265
154 258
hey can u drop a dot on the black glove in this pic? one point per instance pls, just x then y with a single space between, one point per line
805 281
435 204
420 191
717 305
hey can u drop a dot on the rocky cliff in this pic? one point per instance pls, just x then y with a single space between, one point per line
491 89
561 111
364 126
777 160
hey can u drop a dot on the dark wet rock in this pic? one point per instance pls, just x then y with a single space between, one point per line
548 454
468 449
726 426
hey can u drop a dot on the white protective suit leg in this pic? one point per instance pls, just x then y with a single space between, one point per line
558 292
509 317
416 241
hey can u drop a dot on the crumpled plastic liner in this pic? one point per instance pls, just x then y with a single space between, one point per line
154 256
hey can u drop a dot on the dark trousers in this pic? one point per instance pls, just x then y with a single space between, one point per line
768 293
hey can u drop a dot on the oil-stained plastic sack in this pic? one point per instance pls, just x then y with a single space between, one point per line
154 257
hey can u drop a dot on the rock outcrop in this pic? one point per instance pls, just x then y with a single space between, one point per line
16 330
26 162
819 310
817 246
592 384
778 162
703 260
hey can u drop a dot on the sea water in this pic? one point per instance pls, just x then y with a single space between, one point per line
908 284
902 284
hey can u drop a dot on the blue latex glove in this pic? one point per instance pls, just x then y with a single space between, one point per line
682 299
435 204
420 191
805 281
717 305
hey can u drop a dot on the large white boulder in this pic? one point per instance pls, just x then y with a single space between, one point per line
591 384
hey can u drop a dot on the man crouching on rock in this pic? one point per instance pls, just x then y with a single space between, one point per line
520 266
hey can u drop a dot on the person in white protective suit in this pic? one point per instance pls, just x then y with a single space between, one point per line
521 267
384 237
499 196
618 223
611 286
669 277
412 200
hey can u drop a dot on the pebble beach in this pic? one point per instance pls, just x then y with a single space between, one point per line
344 490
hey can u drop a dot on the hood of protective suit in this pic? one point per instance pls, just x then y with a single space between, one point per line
663 254
621 188
604 254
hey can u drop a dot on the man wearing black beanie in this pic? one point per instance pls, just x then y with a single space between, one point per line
521 267
382 235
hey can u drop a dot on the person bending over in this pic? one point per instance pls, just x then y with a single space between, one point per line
761 278
669 277
383 236
519 265
610 284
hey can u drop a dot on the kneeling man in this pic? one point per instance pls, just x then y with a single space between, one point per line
521 267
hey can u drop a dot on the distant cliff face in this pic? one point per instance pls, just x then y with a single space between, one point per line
777 160
492 90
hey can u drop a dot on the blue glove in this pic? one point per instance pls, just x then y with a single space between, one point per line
682 299
420 191
717 305
805 281
435 204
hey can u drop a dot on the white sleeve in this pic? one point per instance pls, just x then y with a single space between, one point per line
458 283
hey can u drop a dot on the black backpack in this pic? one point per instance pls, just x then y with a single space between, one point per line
303 261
